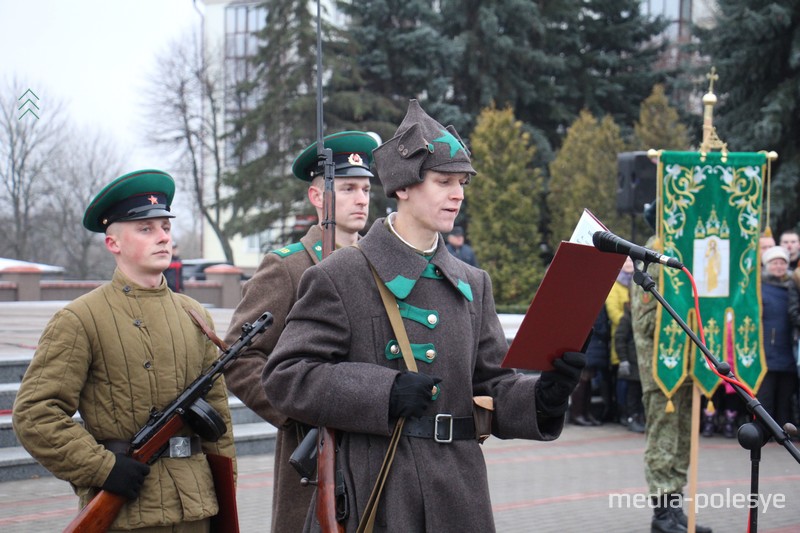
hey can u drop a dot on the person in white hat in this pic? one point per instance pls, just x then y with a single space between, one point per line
777 288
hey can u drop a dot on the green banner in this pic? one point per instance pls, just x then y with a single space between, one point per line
709 217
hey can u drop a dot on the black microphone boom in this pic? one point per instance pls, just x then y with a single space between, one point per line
605 241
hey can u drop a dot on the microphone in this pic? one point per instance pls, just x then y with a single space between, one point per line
605 241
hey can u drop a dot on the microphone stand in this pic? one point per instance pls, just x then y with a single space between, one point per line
753 435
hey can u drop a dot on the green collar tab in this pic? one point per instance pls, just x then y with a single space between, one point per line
288 250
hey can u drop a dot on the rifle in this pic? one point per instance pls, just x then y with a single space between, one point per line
326 508
150 442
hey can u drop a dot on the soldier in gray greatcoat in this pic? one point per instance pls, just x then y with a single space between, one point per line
273 288
337 363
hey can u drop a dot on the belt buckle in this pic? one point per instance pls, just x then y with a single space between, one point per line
180 447
448 420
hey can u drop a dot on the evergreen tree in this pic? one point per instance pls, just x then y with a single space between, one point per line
504 206
659 124
549 60
401 54
755 47
612 69
270 134
583 175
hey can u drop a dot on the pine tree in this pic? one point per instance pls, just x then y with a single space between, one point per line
583 175
755 47
504 206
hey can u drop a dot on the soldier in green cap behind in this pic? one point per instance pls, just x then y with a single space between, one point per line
274 287
114 355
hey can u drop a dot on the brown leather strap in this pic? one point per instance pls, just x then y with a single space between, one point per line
367 522
201 323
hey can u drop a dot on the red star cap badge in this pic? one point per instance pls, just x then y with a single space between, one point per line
153 199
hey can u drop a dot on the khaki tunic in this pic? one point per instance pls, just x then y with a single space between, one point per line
333 366
113 355
273 288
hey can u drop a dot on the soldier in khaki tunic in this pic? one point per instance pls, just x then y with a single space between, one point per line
115 354
274 288
337 363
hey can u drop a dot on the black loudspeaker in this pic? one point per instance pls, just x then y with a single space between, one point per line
636 182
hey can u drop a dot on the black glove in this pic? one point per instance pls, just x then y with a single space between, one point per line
411 393
126 477
555 386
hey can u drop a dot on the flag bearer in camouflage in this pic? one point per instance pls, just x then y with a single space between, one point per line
114 355
668 435
273 288
337 363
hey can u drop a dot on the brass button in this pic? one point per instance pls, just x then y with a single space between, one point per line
395 349
405 152
432 319
430 354
400 147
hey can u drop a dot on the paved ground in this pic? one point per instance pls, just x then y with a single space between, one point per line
567 485
591 479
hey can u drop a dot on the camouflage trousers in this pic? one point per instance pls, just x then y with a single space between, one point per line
668 437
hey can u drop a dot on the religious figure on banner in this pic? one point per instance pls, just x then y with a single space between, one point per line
711 263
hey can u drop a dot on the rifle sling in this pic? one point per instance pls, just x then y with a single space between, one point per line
367 522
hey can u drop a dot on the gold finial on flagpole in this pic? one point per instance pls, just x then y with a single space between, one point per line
710 139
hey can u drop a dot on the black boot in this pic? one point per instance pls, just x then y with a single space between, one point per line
709 427
578 405
676 508
730 428
664 520
635 423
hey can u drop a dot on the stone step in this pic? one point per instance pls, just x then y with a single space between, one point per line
12 369
250 439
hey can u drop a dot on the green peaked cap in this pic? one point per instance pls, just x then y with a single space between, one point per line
135 196
352 155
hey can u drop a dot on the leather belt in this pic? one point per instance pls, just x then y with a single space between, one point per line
178 446
442 428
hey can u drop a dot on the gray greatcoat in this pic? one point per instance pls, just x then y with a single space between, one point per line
273 288
332 367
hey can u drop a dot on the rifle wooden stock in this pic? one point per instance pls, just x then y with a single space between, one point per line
102 510
326 482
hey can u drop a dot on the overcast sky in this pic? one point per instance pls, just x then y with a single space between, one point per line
96 56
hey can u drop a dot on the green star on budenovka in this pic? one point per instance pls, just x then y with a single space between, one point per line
448 139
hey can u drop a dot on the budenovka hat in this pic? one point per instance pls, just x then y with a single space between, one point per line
135 196
420 143
352 155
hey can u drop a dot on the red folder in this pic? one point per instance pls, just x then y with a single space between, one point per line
565 306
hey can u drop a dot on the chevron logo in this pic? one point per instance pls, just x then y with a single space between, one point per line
30 107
